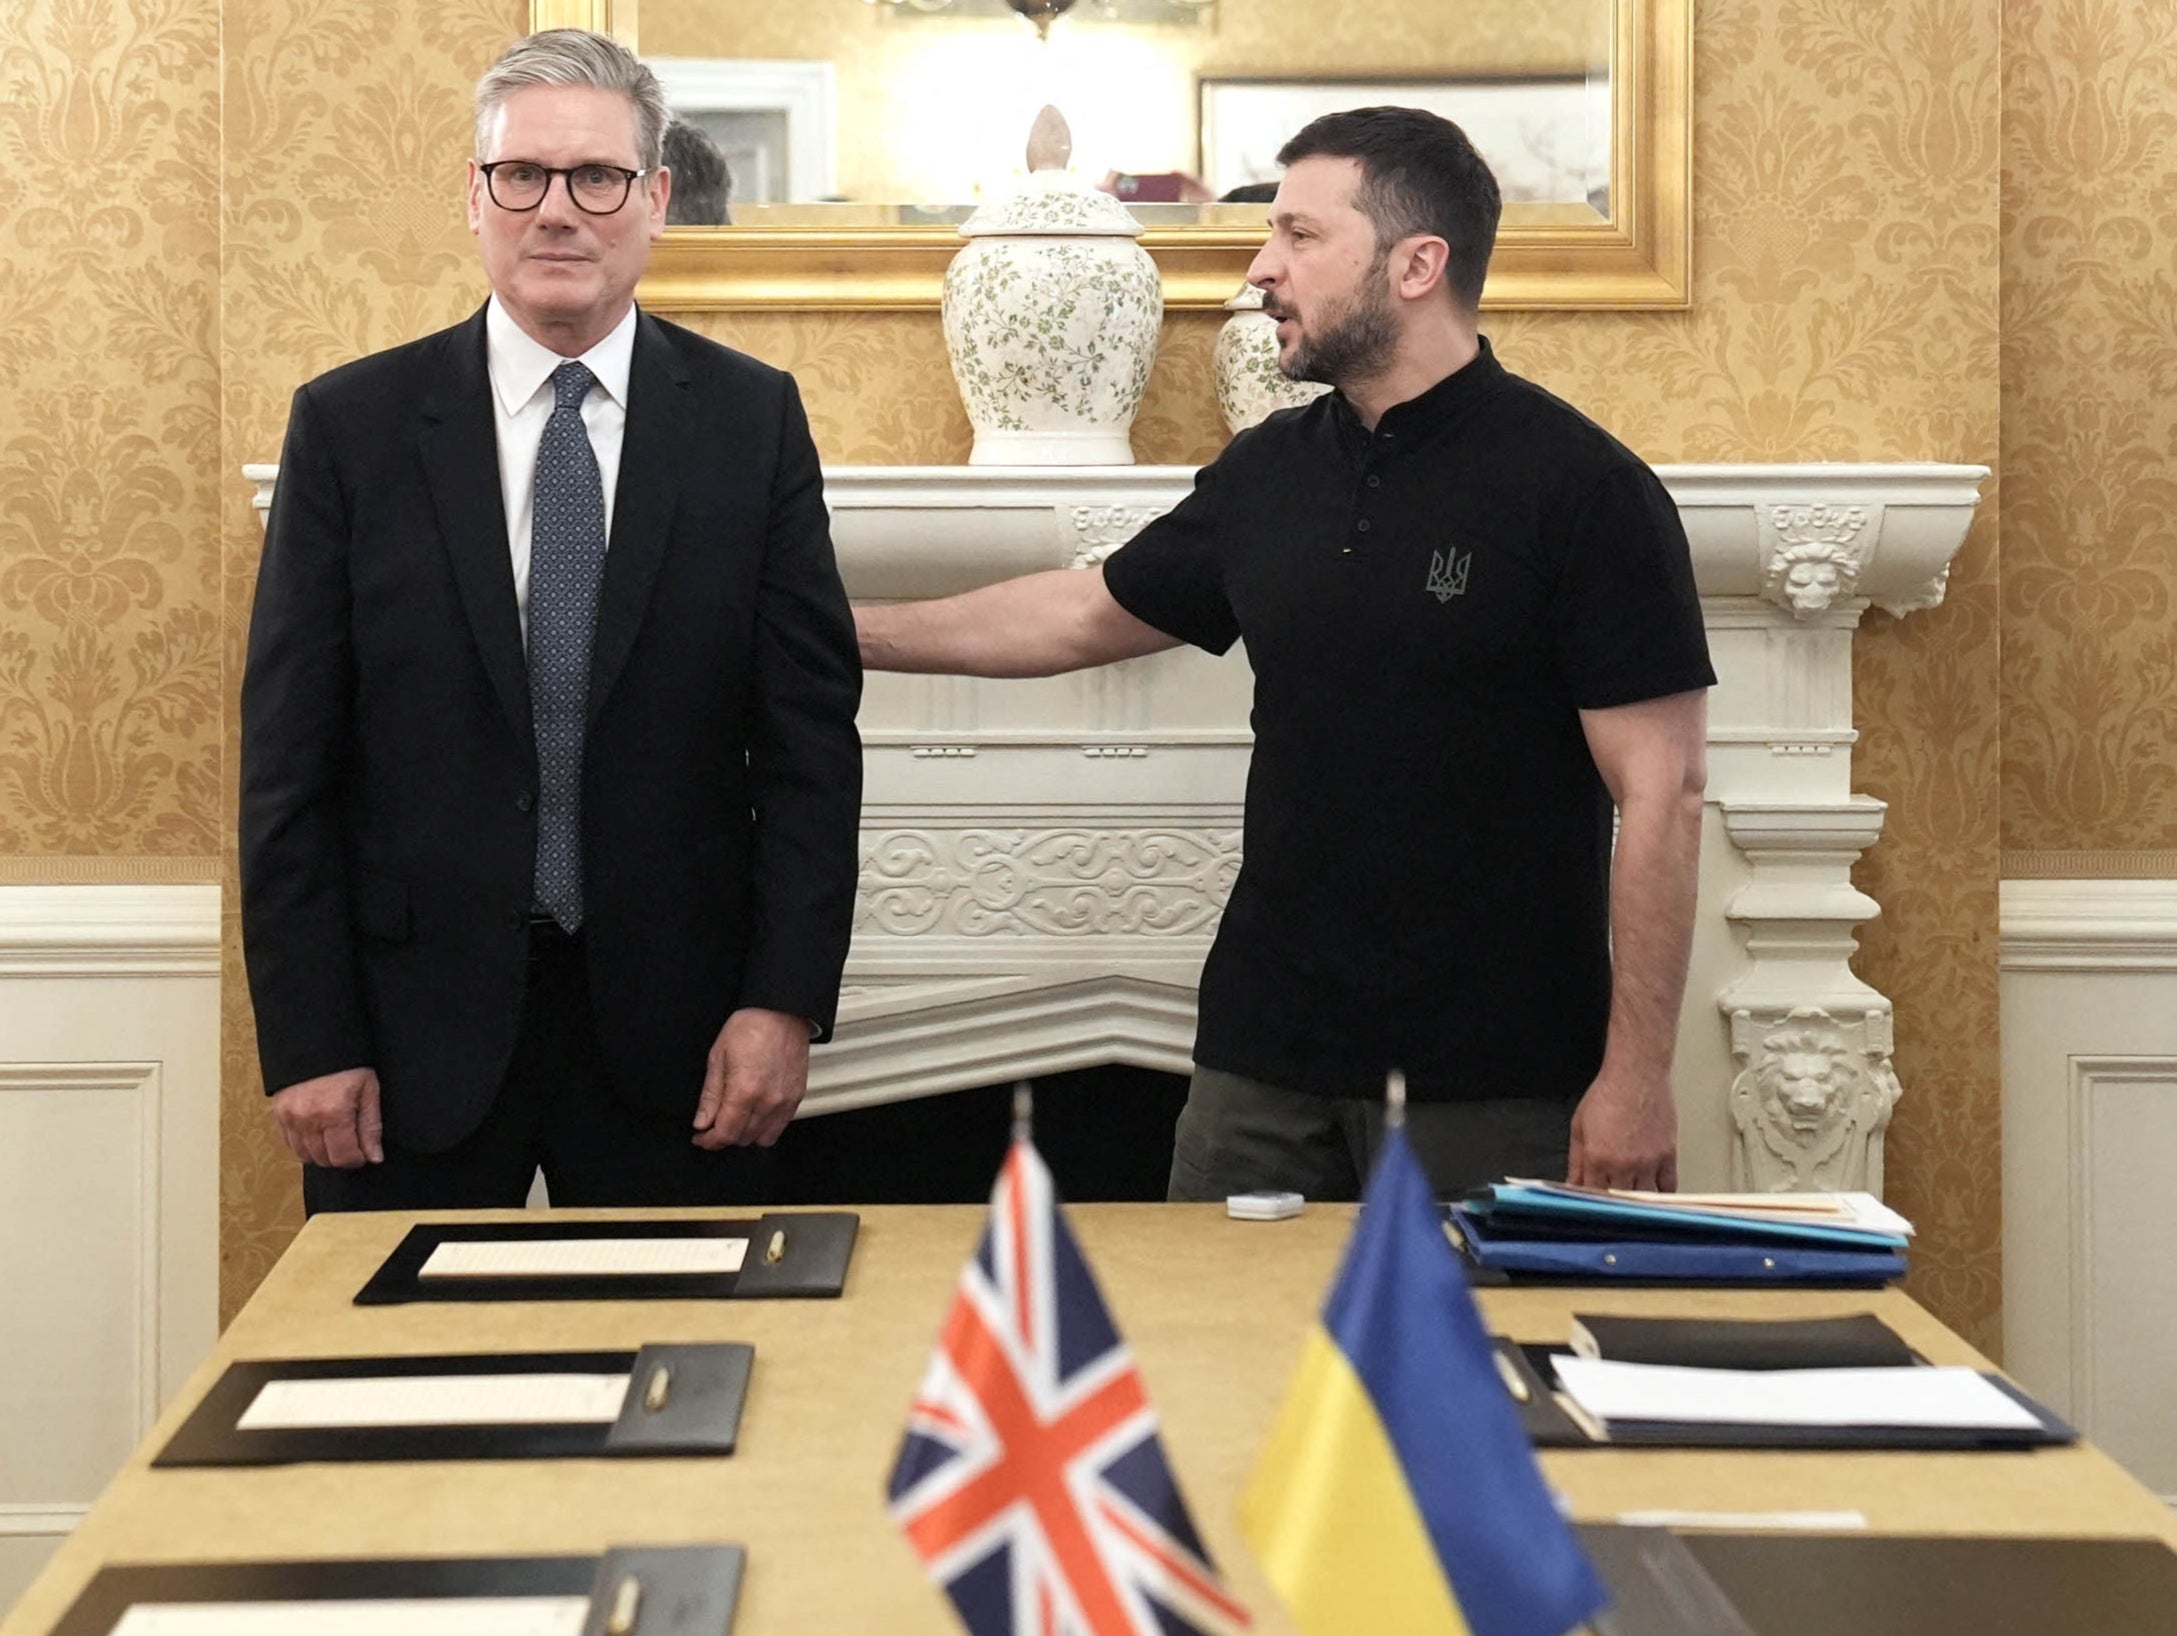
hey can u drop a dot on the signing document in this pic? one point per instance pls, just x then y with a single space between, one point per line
1931 1397
437 1616
584 1257
437 1400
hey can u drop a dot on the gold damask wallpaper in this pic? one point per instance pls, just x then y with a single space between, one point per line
110 730
2089 439
165 286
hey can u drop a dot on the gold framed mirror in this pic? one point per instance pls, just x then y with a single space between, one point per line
1626 245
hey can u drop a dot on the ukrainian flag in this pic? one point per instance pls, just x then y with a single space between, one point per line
1397 1495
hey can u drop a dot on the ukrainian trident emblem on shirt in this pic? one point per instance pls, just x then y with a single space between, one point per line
1447 573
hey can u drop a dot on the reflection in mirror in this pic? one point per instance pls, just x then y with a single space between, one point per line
873 112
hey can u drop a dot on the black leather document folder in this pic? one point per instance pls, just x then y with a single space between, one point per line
680 1400
682 1590
1530 1377
1794 1584
1858 1340
790 1254
1791 1583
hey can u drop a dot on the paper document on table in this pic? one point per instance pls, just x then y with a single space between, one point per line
1844 1209
1862 1211
406 1616
436 1400
1746 1522
1932 1397
583 1257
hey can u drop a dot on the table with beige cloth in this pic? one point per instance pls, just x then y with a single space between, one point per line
1215 1310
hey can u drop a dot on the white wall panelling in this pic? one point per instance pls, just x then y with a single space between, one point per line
1042 860
2089 1143
109 1175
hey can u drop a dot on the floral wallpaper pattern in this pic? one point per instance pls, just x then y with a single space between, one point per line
2089 431
1926 229
110 726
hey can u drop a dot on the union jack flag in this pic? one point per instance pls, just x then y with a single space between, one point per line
1032 1481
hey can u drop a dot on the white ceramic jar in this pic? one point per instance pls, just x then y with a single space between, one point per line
1052 313
1250 386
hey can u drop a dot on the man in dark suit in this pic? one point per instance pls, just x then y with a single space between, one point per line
549 772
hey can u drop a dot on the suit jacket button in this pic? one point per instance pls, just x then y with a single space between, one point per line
524 801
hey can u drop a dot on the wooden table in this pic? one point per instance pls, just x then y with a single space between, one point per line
1215 1310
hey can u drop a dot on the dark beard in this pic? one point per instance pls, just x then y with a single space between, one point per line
1357 342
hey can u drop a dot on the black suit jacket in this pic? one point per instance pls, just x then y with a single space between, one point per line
389 774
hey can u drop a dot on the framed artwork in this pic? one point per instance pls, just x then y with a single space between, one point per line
1547 137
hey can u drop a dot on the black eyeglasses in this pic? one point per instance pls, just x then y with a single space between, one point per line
521 184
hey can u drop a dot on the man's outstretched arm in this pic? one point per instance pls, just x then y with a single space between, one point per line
1037 625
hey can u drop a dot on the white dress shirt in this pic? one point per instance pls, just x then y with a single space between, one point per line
521 402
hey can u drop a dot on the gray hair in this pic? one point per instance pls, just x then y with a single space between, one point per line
575 56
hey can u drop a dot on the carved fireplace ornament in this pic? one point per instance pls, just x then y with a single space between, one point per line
1813 555
1811 1104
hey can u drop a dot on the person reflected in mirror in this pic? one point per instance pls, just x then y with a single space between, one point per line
549 777
702 181
1475 635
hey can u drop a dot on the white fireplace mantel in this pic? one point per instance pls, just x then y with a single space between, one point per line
1044 861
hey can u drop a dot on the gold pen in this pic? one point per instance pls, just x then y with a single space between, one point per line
775 1251
626 1603
1509 1374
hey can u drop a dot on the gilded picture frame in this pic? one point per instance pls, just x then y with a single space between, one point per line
1547 256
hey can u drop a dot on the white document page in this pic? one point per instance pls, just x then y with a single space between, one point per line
1934 1397
583 1257
419 1616
436 1400
1861 1210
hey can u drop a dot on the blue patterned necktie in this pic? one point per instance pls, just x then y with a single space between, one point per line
566 565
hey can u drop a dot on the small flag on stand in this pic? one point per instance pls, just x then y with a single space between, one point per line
1397 1491
1032 1481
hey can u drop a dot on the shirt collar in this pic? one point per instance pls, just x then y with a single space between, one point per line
521 364
1441 403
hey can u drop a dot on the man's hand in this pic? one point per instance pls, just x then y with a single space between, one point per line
1625 1134
758 1070
332 1120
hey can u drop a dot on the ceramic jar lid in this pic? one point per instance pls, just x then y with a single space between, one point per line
1052 200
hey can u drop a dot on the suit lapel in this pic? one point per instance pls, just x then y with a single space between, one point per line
461 460
654 452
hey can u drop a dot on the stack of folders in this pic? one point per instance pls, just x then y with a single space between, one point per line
1532 1231
1843 1382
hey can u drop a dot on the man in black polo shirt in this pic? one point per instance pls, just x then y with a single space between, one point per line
1473 625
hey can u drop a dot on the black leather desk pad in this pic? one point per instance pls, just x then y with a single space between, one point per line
1549 1426
817 1247
689 1590
1795 1584
707 1389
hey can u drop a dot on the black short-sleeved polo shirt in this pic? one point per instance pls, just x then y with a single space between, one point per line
1427 610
